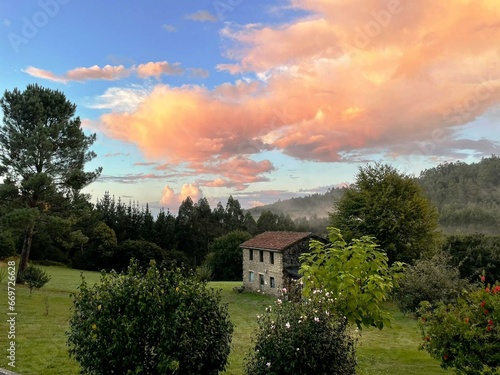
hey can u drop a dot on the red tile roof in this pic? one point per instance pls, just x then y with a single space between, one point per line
275 240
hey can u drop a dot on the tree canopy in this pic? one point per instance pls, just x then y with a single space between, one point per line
43 152
390 206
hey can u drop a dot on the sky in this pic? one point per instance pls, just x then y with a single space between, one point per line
261 99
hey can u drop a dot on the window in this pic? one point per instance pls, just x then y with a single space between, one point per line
272 283
251 254
271 257
261 256
250 276
261 281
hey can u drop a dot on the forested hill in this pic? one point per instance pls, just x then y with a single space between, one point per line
467 196
308 206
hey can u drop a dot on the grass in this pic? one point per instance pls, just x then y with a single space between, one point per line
42 321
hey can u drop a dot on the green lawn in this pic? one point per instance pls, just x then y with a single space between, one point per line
43 319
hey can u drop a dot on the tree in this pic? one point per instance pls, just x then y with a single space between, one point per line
226 259
390 206
356 278
43 151
160 322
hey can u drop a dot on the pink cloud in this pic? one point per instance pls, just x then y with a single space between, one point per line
156 69
44 74
353 77
170 198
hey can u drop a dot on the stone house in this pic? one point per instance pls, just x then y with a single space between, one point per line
271 260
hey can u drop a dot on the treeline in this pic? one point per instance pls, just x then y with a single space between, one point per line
467 196
108 234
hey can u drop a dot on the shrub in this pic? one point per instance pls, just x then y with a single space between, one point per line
226 259
465 336
157 322
301 338
433 280
34 277
142 251
358 275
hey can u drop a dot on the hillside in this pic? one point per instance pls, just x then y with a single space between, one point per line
467 197
299 207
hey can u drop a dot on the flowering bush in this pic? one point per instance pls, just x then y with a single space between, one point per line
160 322
357 275
302 338
466 335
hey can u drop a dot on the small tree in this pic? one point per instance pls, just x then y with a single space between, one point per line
159 323
34 277
226 258
433 280
357 276
391 207
464 336
302 338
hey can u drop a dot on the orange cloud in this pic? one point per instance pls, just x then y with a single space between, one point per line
169 197
354 77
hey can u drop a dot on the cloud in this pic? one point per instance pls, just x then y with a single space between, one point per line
198 73
170 198
120 99
169 28
112 73
156 69
201 16
369 78
130 178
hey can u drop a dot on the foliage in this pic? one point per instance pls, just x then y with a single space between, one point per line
474 255
302 338
433 280
43 152
142 251
34 277
7 244
465 336
226 260
160 322
391 207
357 275
466 195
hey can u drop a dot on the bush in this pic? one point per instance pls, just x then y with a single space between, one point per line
226 257
157 322
142 251
433 280
465 336
34 277
301 338
357 274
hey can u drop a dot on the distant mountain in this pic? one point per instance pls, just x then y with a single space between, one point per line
308 206
467 197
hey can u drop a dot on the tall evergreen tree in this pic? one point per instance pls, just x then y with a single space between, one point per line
43 152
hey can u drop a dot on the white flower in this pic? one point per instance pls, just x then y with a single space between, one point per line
298 349
278 301
268 364
287 325
316 319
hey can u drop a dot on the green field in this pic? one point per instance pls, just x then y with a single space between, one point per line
43 319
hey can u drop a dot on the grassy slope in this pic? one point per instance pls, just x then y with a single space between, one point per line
41 341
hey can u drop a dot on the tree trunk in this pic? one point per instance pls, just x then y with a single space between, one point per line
25 253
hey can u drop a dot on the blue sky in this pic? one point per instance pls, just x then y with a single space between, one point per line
263 100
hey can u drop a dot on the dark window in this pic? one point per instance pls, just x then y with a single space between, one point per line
250 276
272 282
251 255
261 256
261 281
271 257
